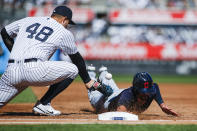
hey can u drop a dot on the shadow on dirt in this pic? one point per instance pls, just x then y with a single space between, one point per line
85 112
19 114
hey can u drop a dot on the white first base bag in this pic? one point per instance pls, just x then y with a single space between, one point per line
118 116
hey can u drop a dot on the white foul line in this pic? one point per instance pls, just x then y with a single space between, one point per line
89 121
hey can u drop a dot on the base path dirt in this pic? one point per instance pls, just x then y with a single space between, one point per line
74 104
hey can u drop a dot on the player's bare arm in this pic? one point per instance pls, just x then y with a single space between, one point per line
122 108
167 110
89 84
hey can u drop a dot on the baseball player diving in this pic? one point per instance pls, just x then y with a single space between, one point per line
135 99
31 42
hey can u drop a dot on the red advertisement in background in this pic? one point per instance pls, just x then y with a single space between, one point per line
146 16
126 16
140 51
80 15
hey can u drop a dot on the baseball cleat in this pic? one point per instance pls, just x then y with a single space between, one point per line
91 71
102 68
91 68
102 73
45 109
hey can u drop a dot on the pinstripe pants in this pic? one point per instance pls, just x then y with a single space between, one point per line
18 76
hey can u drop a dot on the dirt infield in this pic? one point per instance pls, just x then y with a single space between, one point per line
74 105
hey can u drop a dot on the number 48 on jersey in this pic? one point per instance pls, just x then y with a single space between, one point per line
40 35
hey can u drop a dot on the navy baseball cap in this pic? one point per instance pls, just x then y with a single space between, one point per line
64 11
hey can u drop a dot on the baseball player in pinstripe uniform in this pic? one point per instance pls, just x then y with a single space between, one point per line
36 39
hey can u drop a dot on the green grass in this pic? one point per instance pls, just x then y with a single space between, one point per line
98 127
176 79
157 78
161 78
27 96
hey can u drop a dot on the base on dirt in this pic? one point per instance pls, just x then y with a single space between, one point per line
117 116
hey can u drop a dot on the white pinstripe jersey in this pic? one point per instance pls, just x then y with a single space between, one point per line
39 37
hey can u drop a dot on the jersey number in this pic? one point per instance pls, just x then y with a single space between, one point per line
42 35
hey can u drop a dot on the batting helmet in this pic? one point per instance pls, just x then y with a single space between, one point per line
143 83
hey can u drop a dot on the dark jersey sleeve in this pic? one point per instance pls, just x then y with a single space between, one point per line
78 60
158 97
9 41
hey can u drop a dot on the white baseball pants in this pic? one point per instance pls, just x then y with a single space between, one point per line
98 101
19 75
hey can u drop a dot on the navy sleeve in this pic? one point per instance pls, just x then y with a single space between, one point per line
158 97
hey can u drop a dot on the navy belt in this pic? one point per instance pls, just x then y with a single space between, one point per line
25 61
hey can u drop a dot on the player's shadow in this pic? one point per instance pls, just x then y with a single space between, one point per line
149 115
87 110
84 112
19 114
33 114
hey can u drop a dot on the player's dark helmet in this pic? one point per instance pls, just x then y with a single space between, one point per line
143 83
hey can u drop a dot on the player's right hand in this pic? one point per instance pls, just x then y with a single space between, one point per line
104 89
168 110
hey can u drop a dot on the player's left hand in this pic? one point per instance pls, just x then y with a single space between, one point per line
168 110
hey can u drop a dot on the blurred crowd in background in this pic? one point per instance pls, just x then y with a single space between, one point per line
134 4
101 30
155 4
155 35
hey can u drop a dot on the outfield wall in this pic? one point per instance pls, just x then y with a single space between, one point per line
154 67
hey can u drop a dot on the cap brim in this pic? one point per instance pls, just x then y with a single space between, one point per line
72 22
